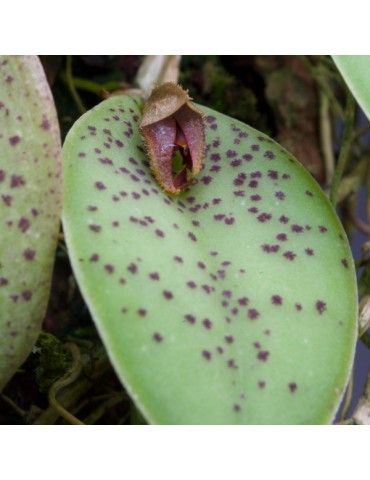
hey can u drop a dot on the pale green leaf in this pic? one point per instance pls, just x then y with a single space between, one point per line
232 303
355 70
30 205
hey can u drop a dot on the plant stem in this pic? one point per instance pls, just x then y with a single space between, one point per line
349 117
69 378
104 407
96 369
365 338
361 414
347 398
360 132
69 78
326 138
323 84
93 87
15 407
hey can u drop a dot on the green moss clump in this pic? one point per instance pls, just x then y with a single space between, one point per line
54 361
211 84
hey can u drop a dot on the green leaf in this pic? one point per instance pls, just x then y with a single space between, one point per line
232 303
355 69
30 205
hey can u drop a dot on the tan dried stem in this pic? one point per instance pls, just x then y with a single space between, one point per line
157 69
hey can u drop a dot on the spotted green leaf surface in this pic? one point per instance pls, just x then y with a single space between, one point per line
355 70
30 205
231 303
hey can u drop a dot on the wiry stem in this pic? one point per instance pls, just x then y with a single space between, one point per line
69 78
323 84
326 138
19 411
69 378
349 117
347 398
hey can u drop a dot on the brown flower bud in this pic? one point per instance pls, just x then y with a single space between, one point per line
171 124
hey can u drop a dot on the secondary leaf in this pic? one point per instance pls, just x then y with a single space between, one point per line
234 302
30 204
355 70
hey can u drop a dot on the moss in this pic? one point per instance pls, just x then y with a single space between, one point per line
53 362
211 84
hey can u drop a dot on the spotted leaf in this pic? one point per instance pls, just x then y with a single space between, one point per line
231 303
30 205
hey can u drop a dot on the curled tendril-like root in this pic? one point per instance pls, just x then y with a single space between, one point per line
68 378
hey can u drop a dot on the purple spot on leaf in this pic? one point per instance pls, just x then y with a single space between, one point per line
231 363
192 236
14 140
320 306
206 354
23 224
269 155
190 318
159 233
157 337
253 314
276 300
280 195
16 181
231 154
292 387
289 255
243 301
264 217
29 254
27 295
263 355
283 219
100 185
207 323
255 198
345 262
270 248
132 268
167 294
7 199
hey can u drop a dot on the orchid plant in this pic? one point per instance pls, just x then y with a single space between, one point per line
214 266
